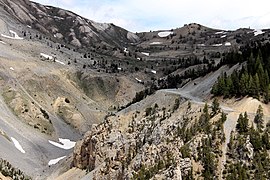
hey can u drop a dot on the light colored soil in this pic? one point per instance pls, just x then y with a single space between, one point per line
73 173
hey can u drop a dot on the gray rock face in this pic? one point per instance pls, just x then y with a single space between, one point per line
124 154
58 23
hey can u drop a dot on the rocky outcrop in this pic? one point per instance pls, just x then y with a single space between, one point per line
147 148
69 113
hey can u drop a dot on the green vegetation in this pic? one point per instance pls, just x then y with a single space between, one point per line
248 154
259 118
208 159
251 80
204 120
145 173
215 107
211 135
7 170
242 123
185 151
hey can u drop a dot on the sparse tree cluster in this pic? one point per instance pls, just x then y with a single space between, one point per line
7 170
248 152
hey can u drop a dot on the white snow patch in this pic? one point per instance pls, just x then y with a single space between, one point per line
3 42
164 33
153 71
228 44
46 56
17 144
223 36
15 35
11 68
155 43
57 17
64 143
220 32
138 80
125 50
60 62
139 58
119 69
217 45
29 26
201 44
54 161
146 54
258 32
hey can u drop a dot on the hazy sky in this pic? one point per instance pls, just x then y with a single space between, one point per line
145 15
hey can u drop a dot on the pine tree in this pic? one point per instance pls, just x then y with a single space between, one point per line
244 84
255 139
214 89
257 85
267 94
221 85
235 80
251 86
228 87
250 63
265 140
242 123
221 121
208 160
215 107
266 88
266 77
259 118
204 119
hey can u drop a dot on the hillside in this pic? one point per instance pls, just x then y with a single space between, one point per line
133 103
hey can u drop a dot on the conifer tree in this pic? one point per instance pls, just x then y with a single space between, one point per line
204 119
257 85
244 84
215 107
259 118
242 123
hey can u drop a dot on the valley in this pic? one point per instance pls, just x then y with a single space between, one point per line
87 100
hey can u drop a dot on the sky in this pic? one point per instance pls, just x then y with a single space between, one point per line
146 15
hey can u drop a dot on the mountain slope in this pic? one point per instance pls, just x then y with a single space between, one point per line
65 78
67 26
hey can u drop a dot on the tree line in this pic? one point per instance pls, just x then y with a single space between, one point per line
251 80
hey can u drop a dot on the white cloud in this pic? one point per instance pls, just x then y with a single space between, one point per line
142 15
